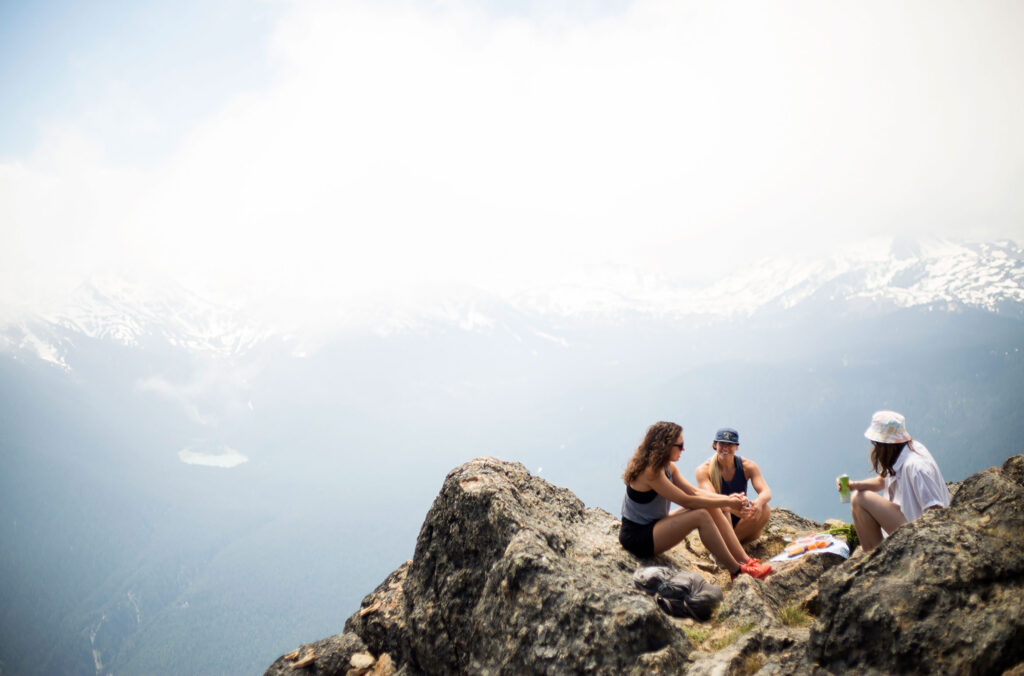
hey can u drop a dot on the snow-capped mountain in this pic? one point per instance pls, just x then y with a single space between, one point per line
111 309
886 274
872 278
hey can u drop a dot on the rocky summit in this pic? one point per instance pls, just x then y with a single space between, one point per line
512 575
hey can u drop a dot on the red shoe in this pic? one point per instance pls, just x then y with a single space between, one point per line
754 568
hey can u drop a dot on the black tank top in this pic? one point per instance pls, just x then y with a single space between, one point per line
738 483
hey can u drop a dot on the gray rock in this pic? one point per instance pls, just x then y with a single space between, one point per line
785 521
796 582
943 594
380 620
748 602
331 655
512 575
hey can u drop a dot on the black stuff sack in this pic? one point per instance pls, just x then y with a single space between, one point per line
679 593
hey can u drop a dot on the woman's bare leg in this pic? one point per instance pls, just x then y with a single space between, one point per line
671 530
724 524
871 513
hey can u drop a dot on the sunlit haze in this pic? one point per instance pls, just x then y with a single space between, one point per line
271 269
311 154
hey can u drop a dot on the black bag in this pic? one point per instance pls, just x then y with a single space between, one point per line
680 594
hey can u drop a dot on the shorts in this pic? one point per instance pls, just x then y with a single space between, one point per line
637 538
735 520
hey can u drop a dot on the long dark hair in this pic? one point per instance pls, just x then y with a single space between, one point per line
884 456
655 451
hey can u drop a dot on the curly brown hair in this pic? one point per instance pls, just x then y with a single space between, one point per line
884 456
655 451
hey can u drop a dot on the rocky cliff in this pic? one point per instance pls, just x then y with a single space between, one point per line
512 575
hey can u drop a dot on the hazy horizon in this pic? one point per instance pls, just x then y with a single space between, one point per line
299 154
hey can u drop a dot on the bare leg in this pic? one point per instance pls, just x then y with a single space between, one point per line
750 529
871 513
724 525
671 530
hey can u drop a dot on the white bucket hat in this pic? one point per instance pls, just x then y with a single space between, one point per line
887 427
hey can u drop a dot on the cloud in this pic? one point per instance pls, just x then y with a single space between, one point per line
402 144
183 395
209 392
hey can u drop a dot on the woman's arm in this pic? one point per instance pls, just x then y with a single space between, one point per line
873 484
704 479
682 492
753 472
704 485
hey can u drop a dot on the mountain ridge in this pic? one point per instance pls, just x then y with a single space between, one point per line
940 276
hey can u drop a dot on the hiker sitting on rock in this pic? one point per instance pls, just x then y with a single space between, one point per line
909 475
727 473
650 527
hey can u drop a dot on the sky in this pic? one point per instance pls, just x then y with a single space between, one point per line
308 154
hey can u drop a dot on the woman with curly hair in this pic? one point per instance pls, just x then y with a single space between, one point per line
653 482
908 474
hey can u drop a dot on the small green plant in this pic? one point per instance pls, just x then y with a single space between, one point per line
731 637
846 531
752 664
696 634
794 616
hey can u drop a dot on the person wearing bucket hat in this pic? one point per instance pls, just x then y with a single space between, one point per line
726 473
907 474
650 526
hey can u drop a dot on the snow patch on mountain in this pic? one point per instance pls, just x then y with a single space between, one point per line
877 275
890 273
17 339
113 309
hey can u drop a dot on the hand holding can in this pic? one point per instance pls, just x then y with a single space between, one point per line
844 488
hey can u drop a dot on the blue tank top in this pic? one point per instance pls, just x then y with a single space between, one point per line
738 483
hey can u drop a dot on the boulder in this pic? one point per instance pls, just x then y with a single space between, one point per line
513 575
796 583
380 620
331 655
943 594
510 575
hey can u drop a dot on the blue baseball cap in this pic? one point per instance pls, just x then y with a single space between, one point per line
728 435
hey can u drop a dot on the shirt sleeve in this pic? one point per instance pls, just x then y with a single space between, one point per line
925 487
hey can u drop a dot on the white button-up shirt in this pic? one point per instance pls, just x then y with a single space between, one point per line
918 483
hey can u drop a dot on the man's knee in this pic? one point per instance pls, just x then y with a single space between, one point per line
766 514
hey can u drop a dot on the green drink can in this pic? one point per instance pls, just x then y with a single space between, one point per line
844 488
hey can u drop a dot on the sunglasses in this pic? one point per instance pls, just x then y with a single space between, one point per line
679 446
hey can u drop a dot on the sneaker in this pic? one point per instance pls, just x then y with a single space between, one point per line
750 560
755 568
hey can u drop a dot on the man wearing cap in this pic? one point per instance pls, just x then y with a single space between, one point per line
727 473
907 474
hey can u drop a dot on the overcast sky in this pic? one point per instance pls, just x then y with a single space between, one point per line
329 150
